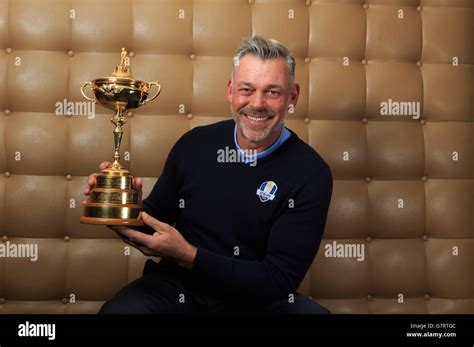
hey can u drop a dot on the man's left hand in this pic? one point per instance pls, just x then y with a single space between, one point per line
166 241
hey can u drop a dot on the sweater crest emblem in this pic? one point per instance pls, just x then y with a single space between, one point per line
267 191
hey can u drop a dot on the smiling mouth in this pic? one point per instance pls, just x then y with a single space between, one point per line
256 119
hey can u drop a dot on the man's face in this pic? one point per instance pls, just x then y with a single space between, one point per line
260 94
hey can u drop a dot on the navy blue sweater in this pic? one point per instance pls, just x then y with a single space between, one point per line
258 227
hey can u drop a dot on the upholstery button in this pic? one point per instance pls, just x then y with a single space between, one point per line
427 297
368 239
368 179
190 116
8 50
369 297
70 53
422 122
69 177
66 238
65 300
307 120
6 112
307 60
366 6
364 61
425 237
6 174
419 8
131 54
193 56
424 178
2 301
130 114
419 63
308 2
365 120
4 238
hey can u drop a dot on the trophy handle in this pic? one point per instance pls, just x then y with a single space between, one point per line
83 85
158 85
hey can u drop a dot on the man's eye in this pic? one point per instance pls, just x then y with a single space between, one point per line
274 93
245 91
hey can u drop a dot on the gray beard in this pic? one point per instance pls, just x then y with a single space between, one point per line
259 138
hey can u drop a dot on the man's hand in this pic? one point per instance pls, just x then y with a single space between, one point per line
92 181
166 242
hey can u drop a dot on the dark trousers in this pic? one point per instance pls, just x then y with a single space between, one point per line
166 290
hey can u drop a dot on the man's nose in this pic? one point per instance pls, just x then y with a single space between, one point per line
258 100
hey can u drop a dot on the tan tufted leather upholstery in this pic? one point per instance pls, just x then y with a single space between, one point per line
418 257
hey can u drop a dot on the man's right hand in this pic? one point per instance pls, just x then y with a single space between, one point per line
92 181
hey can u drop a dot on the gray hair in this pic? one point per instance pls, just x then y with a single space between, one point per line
265 49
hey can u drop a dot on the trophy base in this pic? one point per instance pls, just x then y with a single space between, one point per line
112 221
113 201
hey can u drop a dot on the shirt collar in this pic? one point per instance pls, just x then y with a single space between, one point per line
250 155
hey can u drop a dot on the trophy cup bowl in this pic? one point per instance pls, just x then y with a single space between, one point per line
114 93
113 201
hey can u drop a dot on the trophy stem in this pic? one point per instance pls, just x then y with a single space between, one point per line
118 140
118 120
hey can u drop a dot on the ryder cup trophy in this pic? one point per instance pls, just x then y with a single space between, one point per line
113 201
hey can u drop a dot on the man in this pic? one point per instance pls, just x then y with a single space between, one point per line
234 236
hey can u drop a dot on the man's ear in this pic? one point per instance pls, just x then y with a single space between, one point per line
295 93
229 90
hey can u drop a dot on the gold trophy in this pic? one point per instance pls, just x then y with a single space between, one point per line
113 201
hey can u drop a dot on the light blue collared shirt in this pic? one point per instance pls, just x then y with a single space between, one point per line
250 157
